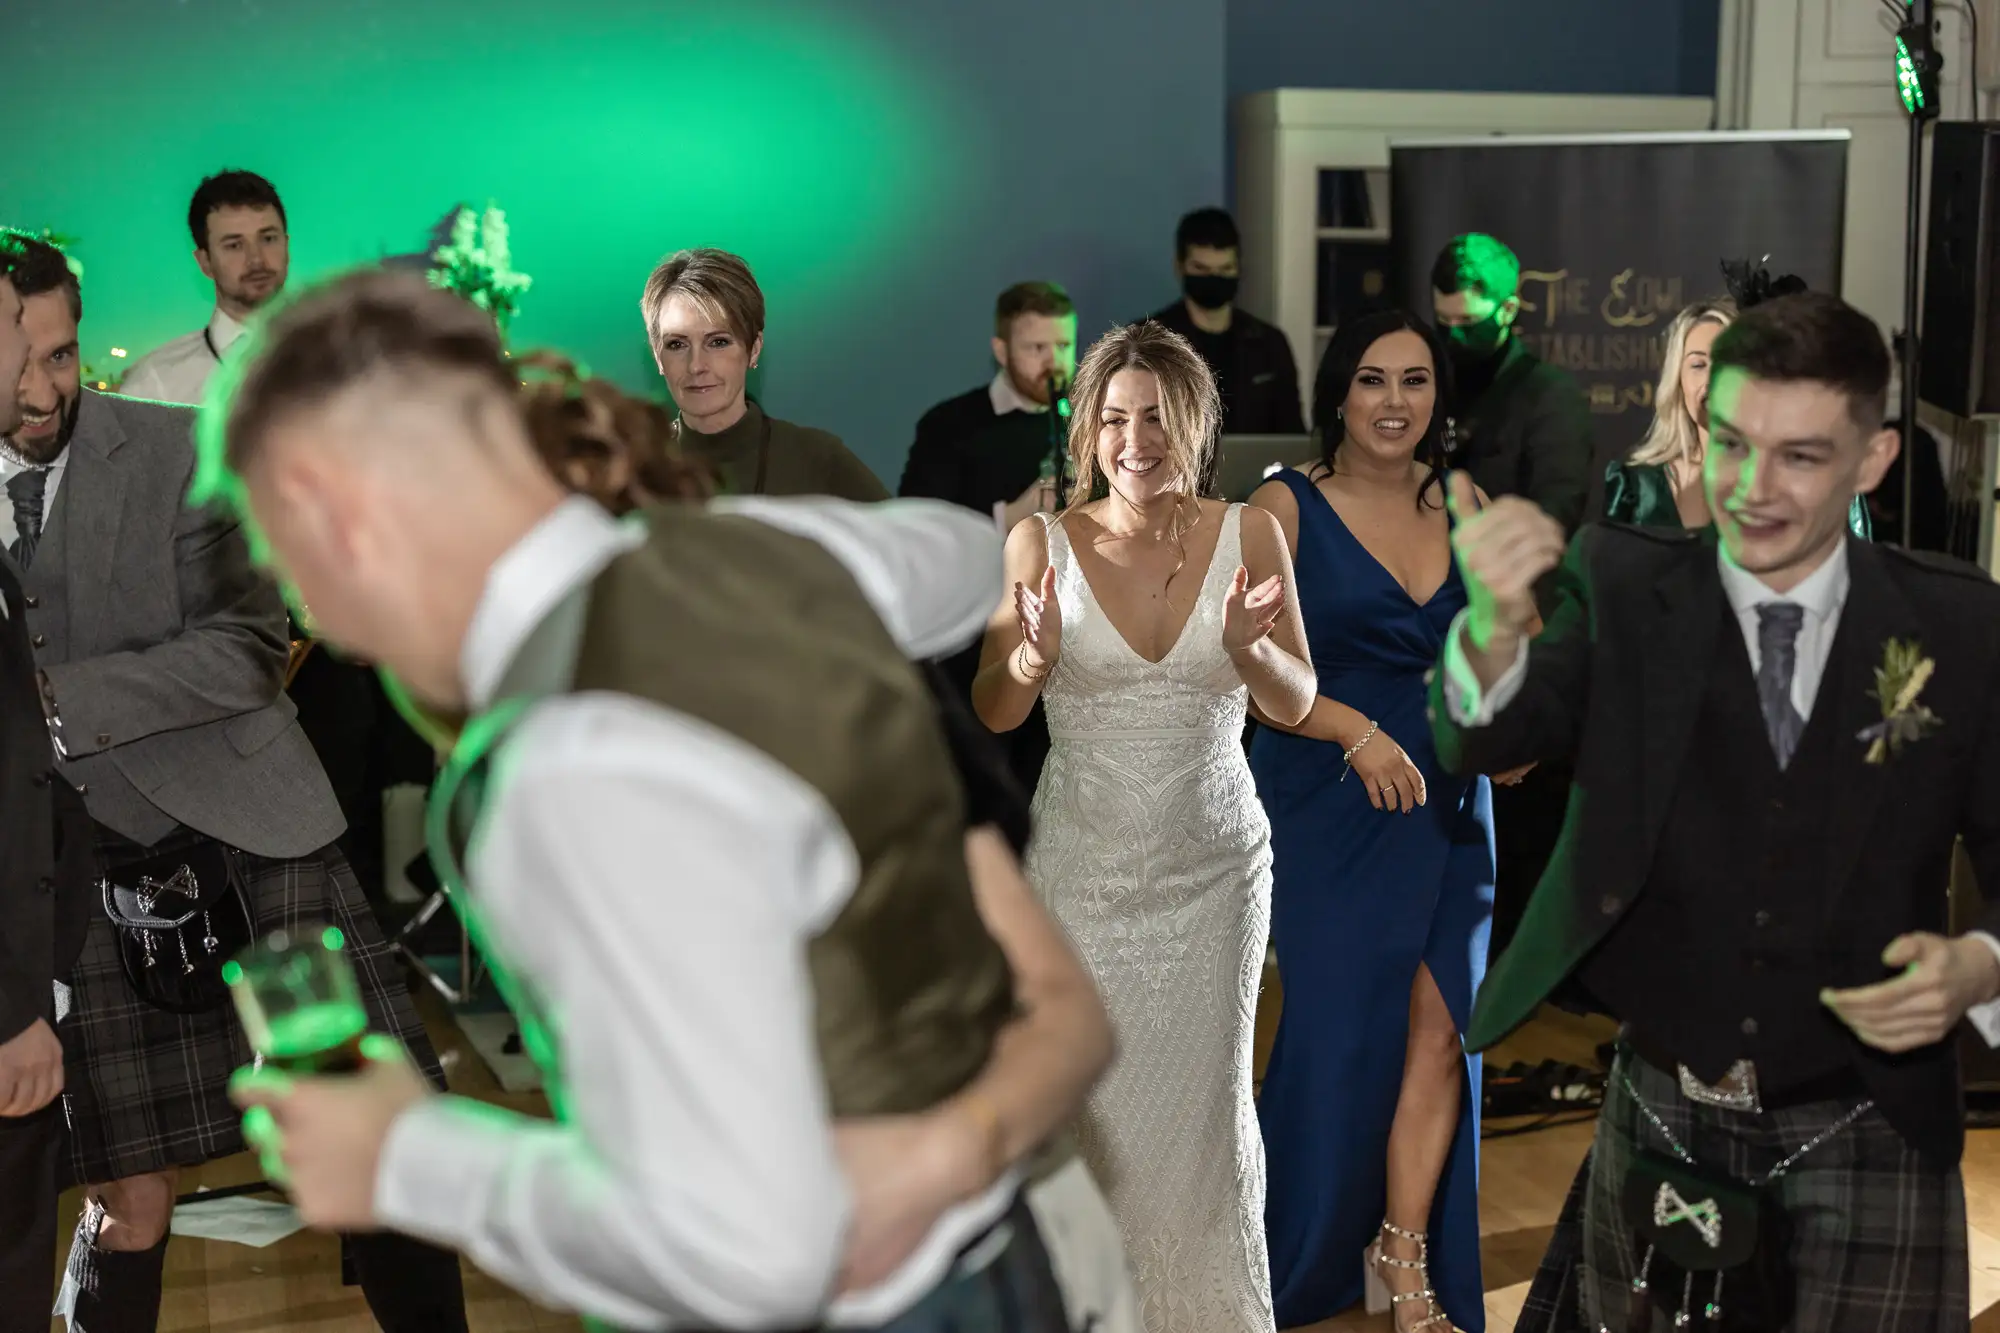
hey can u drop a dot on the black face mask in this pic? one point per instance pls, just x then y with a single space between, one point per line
1210 291
1476 343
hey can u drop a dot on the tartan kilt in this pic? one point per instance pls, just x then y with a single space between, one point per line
145 1089
1552 1304
1878 1239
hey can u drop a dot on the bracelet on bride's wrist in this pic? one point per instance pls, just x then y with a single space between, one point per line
1347 759
1021 662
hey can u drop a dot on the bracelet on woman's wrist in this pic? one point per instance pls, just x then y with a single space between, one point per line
1021 663
1347 759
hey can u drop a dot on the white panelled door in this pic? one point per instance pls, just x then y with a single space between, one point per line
1838 57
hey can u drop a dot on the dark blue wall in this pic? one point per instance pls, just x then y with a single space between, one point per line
1633 47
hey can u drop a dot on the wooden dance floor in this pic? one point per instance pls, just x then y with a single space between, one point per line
294 1285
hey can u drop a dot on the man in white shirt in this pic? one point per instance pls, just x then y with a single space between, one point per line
243 245
652 868
1779 733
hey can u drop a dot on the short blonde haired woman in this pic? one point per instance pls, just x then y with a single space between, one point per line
1148 616
705 319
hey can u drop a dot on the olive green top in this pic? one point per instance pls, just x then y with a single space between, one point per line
786 459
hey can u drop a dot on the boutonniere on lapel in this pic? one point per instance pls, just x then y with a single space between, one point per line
1899 681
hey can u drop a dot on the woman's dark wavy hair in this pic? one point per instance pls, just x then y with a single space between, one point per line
1342 361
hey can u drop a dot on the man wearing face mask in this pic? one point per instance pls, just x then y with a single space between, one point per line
1252 360
1523 426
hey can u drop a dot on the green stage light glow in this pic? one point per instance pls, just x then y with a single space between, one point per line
614 133
1917 62
1909 86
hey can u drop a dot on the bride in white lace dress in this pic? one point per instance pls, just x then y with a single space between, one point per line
1145 617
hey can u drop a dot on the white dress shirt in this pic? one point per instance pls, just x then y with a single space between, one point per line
12 463
178 371
1821 594
1006 398
656 880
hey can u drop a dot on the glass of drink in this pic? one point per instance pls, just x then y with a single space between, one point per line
299 1001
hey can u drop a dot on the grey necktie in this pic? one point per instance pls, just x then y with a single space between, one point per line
26 489
1777 650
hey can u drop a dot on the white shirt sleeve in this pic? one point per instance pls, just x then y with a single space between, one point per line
1468 705
143 381
931 570
1985 1018
658 880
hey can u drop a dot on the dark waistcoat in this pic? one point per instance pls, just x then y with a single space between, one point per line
766 636
1724 953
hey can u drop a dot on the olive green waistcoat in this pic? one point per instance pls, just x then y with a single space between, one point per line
764 635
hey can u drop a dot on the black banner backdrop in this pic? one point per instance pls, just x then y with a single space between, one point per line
1616 233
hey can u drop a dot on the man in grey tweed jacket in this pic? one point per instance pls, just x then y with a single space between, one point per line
161 655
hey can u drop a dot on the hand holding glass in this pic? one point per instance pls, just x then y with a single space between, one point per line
299 1001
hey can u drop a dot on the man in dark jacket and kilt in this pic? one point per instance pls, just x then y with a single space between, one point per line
1780 733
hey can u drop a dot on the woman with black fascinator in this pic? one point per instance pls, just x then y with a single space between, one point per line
1659 483
1383 865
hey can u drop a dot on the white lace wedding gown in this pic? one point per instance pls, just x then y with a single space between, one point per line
1152 850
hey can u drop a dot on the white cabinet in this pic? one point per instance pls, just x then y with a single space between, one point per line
1312 178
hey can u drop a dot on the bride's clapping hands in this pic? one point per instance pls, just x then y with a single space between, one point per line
1040 612
1249 613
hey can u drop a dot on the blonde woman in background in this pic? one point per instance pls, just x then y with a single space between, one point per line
1659 483
1148 616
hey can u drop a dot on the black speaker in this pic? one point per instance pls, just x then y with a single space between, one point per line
1961 331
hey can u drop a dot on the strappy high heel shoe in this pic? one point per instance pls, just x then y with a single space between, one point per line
1383 1300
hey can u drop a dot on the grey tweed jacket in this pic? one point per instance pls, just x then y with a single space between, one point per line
166 650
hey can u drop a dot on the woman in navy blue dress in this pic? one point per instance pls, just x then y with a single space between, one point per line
1383 868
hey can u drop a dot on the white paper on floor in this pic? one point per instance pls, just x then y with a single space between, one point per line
241 1219
489 1034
